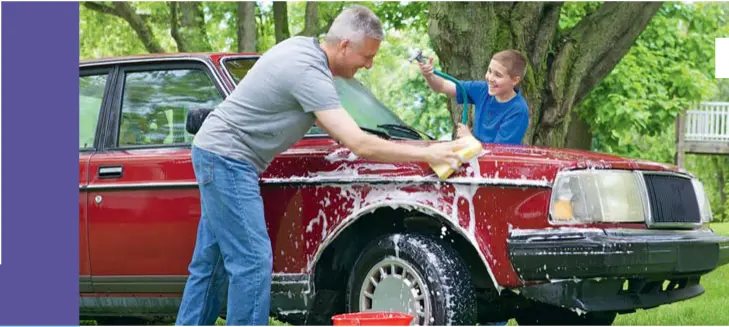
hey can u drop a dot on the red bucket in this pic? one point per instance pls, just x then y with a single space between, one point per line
370 318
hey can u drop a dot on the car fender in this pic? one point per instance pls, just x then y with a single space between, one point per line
404 204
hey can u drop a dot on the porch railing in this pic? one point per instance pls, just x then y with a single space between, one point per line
709 123
703 130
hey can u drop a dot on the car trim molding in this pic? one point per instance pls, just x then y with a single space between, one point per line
291 294
280 282
84 284
338 180
406 179
152 185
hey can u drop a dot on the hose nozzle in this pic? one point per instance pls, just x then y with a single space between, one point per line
416 54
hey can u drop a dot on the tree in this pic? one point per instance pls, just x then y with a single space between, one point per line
188 27
246 26
124 10
563 66
281 20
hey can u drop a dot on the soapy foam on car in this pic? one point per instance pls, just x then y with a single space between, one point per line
339 155
464 188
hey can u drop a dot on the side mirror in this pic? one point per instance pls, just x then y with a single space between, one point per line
195 119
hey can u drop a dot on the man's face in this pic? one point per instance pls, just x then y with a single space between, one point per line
500 82
353 56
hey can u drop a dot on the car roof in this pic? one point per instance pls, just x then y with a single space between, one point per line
162 56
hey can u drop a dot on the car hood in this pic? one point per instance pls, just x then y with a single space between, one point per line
543 163
568 158
500 164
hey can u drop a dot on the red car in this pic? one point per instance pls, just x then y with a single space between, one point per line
547 236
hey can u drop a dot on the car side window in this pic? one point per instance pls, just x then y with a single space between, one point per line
155 105
91 95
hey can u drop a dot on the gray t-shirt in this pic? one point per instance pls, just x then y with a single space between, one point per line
272 107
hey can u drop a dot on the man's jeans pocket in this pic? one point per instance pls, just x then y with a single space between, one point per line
202 163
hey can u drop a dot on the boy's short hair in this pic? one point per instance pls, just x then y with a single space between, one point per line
514 62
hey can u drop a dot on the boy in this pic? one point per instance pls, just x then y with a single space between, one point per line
501 114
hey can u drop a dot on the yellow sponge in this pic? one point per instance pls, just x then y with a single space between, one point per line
473 149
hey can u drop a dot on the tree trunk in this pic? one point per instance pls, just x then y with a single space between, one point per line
187 27
311 19
125 11
579 135
281 21
246 26
314 16
561 69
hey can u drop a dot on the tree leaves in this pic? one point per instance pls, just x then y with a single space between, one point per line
659 77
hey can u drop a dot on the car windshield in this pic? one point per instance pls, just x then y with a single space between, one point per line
357 99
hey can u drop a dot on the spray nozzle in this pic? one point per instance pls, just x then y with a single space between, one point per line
416 54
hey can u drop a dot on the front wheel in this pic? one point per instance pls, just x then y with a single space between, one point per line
414 274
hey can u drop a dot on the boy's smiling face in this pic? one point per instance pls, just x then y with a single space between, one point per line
499 79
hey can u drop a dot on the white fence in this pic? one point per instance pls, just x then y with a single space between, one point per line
708 123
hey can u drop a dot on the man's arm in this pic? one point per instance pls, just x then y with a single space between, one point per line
342 127
317 94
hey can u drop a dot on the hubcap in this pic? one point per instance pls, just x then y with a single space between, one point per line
393 285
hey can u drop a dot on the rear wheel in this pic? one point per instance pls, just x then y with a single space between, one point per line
415 274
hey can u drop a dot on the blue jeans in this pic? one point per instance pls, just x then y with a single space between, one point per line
232 246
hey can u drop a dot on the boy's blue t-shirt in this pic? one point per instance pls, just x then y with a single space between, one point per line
496 122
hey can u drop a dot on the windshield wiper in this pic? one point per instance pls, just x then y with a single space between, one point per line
406 129
384 134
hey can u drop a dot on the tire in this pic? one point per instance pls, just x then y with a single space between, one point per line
548 315
427 274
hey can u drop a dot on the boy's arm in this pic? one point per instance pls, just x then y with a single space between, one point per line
441 85
435 82
513 128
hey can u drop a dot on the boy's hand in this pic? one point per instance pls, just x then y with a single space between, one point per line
462 131
427 68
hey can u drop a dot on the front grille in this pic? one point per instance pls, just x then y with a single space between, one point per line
672 200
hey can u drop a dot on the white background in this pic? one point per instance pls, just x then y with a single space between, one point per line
722 58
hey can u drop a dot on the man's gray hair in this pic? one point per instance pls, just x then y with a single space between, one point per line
355 23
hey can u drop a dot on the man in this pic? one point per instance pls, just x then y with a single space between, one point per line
288 89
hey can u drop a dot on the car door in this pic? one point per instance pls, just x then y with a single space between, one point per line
94 85
144 205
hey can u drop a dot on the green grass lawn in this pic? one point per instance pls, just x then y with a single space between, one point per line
710 308
721 228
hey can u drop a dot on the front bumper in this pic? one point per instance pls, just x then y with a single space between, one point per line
615 270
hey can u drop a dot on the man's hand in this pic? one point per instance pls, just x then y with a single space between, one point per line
462 131
445 153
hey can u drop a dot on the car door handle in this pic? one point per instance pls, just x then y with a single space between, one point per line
110 171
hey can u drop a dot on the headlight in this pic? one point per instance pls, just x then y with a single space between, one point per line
589 196
704 206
